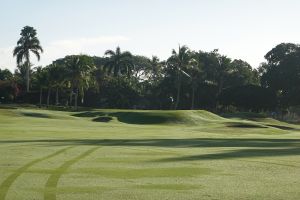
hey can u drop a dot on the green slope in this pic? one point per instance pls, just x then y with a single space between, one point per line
125 154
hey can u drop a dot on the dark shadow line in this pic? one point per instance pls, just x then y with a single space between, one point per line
138 118
244 153
174 143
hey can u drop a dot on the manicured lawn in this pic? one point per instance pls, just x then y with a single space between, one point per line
124 154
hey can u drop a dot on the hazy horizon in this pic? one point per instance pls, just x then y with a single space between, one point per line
241 30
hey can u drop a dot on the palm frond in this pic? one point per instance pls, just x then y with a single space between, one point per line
109 53
36 53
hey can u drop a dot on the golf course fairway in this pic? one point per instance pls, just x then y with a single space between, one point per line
128 154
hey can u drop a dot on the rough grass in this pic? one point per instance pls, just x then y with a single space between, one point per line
123 154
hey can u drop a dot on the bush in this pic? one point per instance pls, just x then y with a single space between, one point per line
249 98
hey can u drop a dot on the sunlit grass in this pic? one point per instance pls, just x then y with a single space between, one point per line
146 155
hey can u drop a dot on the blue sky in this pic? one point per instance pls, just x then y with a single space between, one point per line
240 29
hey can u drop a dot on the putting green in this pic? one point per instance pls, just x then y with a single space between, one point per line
125 154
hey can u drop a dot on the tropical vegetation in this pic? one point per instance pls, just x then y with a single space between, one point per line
188 79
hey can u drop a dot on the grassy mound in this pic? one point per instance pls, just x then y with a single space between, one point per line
129 154
152 117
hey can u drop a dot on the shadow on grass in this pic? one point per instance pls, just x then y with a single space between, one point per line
7 107
244 115
102 119
243 125
90 114
282 127
134 117
241 153
249 125
37 115
244 147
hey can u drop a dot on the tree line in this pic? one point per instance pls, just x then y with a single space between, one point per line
188 79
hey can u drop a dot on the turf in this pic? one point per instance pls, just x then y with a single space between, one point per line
124 154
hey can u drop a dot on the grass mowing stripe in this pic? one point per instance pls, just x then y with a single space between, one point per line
133 163
268 163
51 185
6 184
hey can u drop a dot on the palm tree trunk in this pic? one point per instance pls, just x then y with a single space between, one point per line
221 82
177 96
76 99
119 72
159 101
82 97
48 97
178 92
71 97
27 76
193 98
56 97
41 96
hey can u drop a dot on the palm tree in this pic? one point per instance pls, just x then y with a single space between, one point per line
98 75
119 62
28 43
20 74
48 83
179 60
79 69
195 71
41 78
57 75
157 67
222 67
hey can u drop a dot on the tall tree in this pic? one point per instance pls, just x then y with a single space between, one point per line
119 62
223 68
280 52
156 68
57 74
41 78
79 70
142 67
195 70
179 61
28 43
241 73
282 73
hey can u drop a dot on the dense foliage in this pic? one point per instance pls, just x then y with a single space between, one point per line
186 80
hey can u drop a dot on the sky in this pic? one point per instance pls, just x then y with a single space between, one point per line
240 29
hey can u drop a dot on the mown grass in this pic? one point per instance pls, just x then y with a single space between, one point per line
125 154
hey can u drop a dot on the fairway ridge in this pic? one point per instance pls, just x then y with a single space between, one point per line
6 184
147 155
151 117
51 185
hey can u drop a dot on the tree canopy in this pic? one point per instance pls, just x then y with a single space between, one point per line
188 79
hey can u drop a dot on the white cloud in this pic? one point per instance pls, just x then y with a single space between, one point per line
60 48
